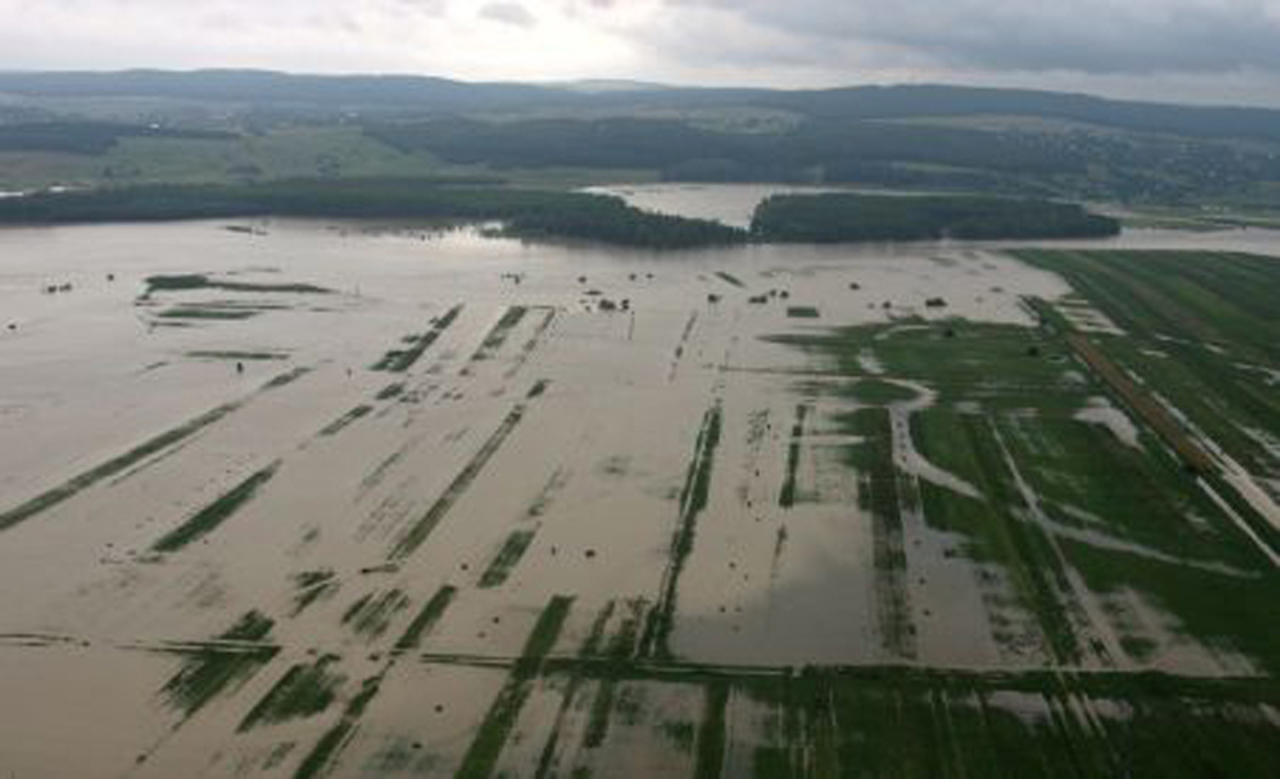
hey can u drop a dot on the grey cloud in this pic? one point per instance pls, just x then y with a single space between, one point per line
1090 36
509 13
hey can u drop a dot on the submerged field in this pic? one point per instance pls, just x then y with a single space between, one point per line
293 500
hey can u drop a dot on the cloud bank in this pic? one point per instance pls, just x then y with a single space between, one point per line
1193 49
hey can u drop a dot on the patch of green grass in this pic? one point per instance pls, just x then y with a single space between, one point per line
220 510
401 360
114 466
1229 613
879 492
187 282
802 312
426 619
354 415
287 378
693 499
482 756
222 664
305 690
335 738
711 733
421 529
877 392
213 310
497 336
370 616
312 586
1212 316
787 495
390 391
507 558
231 354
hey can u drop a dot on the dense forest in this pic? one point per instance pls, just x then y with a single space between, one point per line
841 217
666 144
524 212
558 214
843 151
88 137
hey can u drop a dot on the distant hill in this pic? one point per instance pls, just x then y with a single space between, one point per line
427 95
151 126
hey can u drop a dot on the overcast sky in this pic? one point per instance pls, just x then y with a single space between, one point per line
1196 50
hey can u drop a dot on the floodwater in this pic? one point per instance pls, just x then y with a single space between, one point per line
532 417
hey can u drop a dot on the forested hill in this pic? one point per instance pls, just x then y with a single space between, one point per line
151 127
409 95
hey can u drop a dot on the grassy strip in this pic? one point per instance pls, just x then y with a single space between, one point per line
693 499
371 615
401 360
498 334
304 691
321 756
210 311
426 619
390 391
336 426
227 661
879 494
211 516
184 282
286 378
711 733
312 586
234 355
507 558
787 496
120 463
802 312
486 747
538 389
418 533
113 466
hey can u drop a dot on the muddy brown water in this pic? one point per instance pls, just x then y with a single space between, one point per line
607 408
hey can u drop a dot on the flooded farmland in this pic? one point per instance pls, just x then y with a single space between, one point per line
297 499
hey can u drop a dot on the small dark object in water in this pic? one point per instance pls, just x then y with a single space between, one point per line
854 285
582 279
239 367
887 304
713 298
111 277
935 303
758 299
13 325
608 305
590 553
784 294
